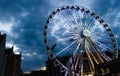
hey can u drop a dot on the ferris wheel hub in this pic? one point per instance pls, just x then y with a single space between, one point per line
86 33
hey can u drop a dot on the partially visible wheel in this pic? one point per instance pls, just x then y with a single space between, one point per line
78 32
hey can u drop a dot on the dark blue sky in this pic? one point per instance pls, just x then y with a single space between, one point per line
23 22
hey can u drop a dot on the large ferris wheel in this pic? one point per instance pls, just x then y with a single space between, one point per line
83 35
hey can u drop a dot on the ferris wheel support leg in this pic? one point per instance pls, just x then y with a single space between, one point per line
90 59
100 60
69 72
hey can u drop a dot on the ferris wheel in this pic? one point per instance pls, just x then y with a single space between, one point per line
84 36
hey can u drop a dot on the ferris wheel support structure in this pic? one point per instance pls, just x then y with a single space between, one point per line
83 35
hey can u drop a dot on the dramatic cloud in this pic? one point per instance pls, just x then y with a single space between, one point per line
109 11
23 22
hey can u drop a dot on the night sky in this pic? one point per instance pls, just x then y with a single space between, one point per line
23 21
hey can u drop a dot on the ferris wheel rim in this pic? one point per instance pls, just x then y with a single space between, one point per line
104 24
86 33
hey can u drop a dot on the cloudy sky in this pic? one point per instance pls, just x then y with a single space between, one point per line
23 22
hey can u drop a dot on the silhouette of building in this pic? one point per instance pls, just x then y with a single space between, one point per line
10 64
2 54
114 67
36 73
13 62
39 73
25 74
53 69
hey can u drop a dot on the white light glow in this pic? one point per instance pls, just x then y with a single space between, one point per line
43 68
86 33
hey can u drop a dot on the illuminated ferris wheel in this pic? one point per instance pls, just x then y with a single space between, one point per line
83 35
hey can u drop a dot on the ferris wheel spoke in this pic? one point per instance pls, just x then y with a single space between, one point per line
101 52
99 30
69 18
61 64
70 38
92 28
101 38
73 19
89 23
103 46
88 52
66 47
76 50
100 60
75 16
105 41
84 20
77 57
79 62
65 20
69 50
80 19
